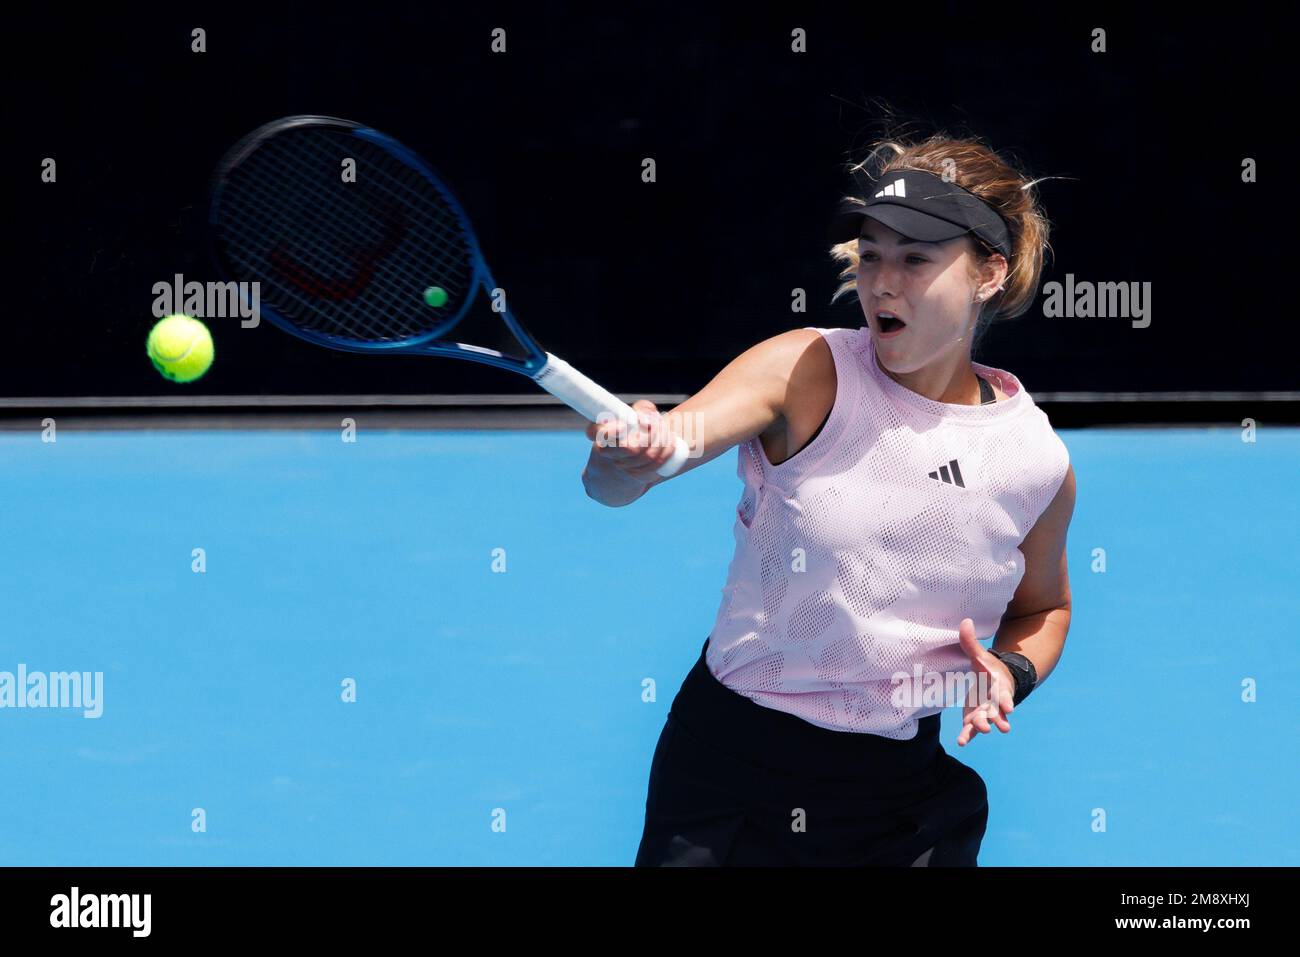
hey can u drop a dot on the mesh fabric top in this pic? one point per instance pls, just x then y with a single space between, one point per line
859 556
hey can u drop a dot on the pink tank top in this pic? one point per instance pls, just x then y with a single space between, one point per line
858 557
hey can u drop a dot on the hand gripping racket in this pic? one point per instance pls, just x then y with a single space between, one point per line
383 261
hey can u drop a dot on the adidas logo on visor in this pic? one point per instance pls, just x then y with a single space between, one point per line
897 188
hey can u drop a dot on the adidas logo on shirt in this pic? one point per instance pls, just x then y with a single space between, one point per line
950 474
897 188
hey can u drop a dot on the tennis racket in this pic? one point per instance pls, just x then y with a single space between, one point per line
386 262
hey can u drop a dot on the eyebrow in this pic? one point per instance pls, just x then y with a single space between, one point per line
902 242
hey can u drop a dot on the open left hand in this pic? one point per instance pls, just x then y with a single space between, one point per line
1001 687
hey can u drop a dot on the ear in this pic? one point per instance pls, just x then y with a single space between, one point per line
993 273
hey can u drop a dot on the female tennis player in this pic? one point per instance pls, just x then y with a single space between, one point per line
899 501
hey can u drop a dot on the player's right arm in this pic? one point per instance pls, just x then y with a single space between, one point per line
748 397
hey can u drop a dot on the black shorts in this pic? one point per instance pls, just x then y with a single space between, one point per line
736 783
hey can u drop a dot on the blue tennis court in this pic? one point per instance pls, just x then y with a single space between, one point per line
500 628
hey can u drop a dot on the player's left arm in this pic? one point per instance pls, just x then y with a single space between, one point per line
1038 616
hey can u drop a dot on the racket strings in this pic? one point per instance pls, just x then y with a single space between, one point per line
365 262
257 199
345 259
331 279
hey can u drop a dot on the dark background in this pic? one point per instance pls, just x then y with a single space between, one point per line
652 287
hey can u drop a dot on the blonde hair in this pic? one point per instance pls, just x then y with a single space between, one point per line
974 166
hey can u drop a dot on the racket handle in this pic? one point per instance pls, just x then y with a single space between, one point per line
587 398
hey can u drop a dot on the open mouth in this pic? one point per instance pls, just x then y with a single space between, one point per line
890 323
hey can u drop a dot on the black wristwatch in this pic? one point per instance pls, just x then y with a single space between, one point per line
1022 669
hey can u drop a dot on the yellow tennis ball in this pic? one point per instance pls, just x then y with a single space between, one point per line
180 347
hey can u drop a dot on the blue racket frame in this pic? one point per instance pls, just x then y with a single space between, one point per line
548 371
535 358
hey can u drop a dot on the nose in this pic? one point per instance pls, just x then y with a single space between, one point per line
883 285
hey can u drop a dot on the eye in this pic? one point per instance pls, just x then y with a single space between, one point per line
865 256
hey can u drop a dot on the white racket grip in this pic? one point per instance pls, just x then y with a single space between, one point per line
586 397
